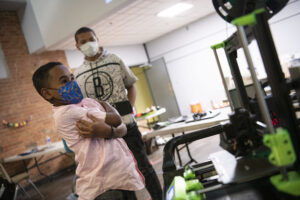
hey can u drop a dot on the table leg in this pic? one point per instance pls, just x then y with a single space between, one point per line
25 166
186 146
39 170
177 152
189 153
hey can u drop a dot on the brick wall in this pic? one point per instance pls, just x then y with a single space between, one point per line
19 100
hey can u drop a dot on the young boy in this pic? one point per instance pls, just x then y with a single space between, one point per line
106 167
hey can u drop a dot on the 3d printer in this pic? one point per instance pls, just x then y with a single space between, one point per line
261 159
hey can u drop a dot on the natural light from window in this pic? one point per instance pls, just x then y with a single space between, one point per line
3 67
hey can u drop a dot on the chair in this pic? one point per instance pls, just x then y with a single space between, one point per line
17 179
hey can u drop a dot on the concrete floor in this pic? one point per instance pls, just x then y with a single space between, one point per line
60 187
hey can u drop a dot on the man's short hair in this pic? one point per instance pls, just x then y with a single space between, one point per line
83 30
41 76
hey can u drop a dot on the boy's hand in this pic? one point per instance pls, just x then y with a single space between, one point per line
96 128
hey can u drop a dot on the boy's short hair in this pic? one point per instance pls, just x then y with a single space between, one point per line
41 75
83 30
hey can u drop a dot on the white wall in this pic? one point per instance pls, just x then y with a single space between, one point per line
131 55
31 29
285 27
74 58
191 63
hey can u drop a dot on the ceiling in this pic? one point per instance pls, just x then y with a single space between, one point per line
137 23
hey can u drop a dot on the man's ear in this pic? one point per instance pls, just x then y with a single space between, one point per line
46 94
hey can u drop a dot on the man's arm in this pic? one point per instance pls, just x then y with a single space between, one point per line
128 79
98 128
131 94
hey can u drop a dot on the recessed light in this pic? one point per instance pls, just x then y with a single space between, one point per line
175 10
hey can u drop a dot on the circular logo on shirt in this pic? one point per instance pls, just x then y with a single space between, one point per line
99 85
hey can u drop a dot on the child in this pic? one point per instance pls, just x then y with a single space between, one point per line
106 167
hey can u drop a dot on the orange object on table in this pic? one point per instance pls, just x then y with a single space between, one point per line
138 114
196 108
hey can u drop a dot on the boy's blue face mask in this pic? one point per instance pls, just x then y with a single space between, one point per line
70 93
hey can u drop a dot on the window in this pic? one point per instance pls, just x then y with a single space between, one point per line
3 66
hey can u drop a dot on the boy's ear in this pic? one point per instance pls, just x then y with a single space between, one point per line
46 94
77 46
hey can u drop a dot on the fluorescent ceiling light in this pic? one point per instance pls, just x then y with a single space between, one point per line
175 10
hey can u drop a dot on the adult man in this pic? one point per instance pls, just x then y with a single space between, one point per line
104 77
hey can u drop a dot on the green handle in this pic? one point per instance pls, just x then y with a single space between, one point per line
217 46
249 19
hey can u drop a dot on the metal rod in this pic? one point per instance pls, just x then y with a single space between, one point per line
284 173
36 189
209 189
203 167
223 79
260 96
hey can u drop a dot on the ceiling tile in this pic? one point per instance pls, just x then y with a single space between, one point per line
137 23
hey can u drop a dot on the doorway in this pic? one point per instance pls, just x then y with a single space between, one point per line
161 89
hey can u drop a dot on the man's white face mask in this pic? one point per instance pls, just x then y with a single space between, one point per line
89 49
